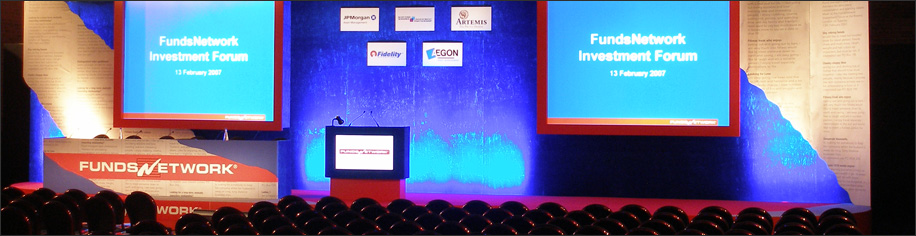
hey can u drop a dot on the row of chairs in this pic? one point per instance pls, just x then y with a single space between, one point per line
46 212
365 216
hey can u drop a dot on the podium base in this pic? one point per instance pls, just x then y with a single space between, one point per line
382 190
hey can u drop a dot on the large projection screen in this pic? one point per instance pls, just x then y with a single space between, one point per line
198 65
638 68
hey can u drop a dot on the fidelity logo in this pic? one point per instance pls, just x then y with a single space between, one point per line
157 168
374 53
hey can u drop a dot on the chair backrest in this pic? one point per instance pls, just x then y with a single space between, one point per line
590 230
706 227
721 211
56 218
429 221
373 211
230 220
31 211
660 226
187 219
437 205
100 216
385 221
398 205
46 194
344 217
274 222
362 226
15 221
568 225
293 209
614 227
148 227
672 219
452 228
222 212
521 224
499 229
497 215
680 213
196 228
412 212
325 201
405 228
546 230
628 219
598 210
758 211
581 217
116 204
453 214
638 210
287 230
475 223
359 203
140 206
517 208
76 213
477 207
538 216
315 225
555 209
289 199
258 206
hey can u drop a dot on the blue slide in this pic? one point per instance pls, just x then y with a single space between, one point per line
199 60
638 63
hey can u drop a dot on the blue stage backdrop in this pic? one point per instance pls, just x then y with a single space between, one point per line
473 127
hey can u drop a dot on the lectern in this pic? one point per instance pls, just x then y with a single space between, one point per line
367 162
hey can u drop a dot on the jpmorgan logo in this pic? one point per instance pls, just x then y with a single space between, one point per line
157 168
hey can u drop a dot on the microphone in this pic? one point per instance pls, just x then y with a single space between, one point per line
360 115
338 119
373 119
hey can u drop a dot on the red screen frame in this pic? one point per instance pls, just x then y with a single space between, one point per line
733 130
118 107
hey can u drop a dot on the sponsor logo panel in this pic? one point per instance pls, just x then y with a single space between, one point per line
475 18
386 54
443 53
415 19
359 19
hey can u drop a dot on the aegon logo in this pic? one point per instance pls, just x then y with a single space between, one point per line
359 17
433 53
157 168
175 210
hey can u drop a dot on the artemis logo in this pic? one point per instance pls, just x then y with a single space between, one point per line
433 53
175 210
157 168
